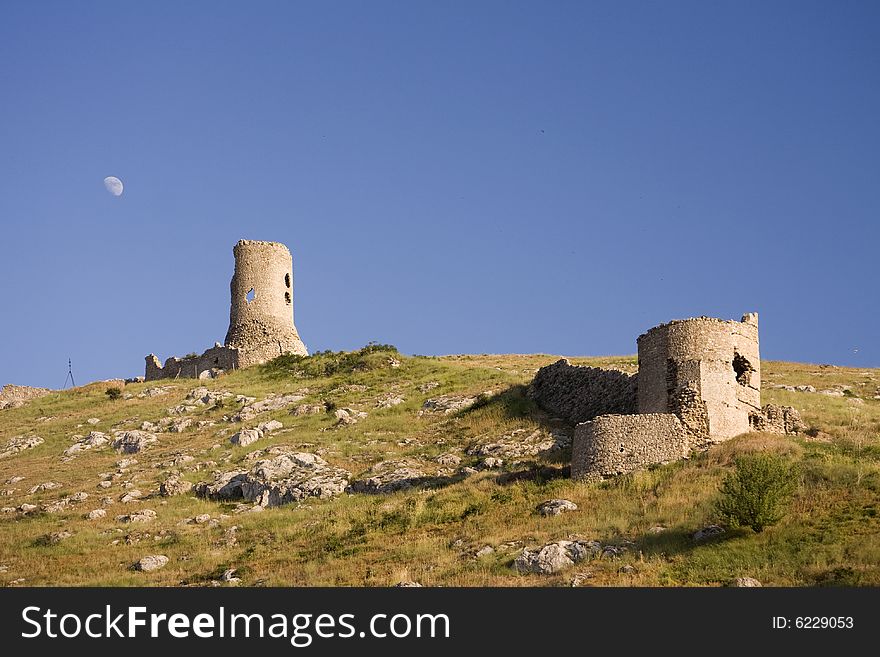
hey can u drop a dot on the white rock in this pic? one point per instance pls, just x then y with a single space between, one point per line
152 562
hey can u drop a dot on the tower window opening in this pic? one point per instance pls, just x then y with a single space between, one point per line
251 295
287 298
743 369
287 280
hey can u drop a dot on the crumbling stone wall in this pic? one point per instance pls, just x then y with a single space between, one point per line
611 445
699 382
218 358
13 396
260 316
578 394
778 419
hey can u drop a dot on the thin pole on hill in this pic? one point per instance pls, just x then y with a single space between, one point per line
69 375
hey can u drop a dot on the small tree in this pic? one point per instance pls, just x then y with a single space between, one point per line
113 393
756 493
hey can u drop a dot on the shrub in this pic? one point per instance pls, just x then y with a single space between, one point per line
327 363
756 493
113 393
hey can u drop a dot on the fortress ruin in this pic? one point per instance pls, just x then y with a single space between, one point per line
698 383
260 317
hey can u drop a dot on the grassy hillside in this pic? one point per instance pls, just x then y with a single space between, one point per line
430 533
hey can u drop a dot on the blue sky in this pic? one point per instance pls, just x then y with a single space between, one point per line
456 177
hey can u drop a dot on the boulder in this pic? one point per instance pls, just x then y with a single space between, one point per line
555 507
19 444
144 515
348 416
390 476
134 441
174 485
553 557
287 476
246 437
745 582
150 563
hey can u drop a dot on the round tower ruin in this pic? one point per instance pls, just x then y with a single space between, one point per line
705 360
261 311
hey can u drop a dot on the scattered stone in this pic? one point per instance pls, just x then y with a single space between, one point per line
287 476
490 463
516 445
93 440
271 403
626 569
174 485
152 562
180 424
202 518
19 444
553 557
484 551
309 409
229 576
657 529
348 416
131 496
746 582
93 420
556 507
14 480
97 513
132 442
430 385
270 426
105 484
144 515
246 437
448 459
49 485
408 584
56 537
707 532
125 463
832 393
580 578
389 400
156 392
448 404
777 419
390 476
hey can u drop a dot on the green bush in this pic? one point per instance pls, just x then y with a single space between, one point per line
327 363
113 393
756 494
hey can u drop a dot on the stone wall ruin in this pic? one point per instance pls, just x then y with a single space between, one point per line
699 383
260 317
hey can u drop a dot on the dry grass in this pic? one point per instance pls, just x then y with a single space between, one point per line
431 535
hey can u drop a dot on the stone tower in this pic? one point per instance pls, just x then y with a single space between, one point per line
261 311
702 360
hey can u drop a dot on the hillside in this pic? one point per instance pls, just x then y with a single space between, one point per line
471 455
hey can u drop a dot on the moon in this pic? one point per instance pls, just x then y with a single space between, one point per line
113 185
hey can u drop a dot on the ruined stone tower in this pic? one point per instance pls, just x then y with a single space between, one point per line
261 312
706 360
698 383
260 317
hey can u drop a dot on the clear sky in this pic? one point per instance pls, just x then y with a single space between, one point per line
451 177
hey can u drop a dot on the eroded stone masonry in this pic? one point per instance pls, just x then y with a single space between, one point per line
699 383
260 317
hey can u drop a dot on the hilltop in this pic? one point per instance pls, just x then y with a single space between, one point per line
431 470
